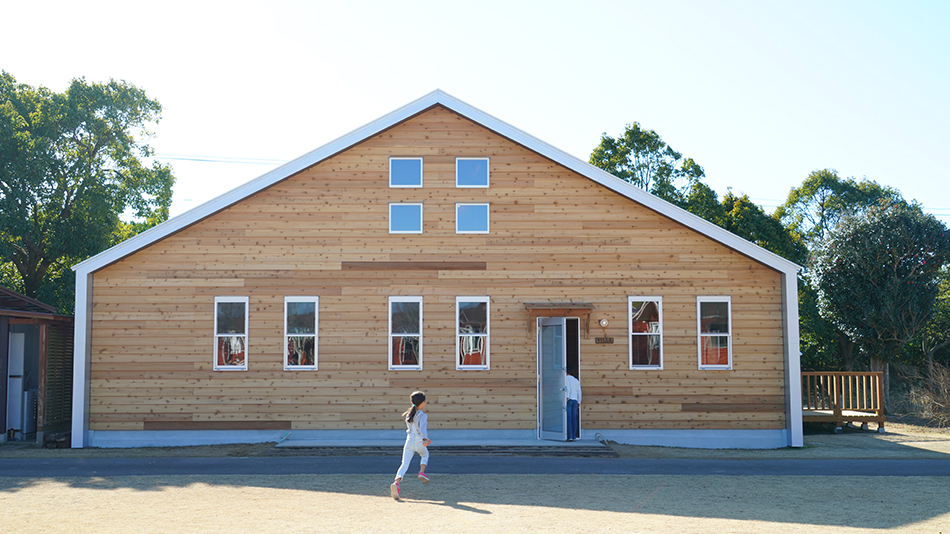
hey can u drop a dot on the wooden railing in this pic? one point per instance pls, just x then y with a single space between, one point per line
843 397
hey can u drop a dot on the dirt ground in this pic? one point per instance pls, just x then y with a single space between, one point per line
497 503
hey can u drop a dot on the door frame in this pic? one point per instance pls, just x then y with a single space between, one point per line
566 323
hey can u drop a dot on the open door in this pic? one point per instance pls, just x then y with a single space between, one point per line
552 362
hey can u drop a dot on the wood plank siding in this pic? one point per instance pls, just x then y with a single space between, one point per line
555 236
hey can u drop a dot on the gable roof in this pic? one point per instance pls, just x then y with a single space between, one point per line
13 304
12 301
436 98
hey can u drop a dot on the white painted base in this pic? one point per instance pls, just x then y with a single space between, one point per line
698 439
327 438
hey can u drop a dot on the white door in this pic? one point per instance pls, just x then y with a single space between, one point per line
552 364
15 382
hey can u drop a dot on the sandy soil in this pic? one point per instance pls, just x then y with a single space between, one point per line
470 503
497 503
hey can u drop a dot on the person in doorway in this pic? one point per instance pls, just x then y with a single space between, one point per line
573 387
417 441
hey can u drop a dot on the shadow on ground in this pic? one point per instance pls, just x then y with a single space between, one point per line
869 502
895 502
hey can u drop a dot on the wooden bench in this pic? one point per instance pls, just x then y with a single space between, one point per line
842 398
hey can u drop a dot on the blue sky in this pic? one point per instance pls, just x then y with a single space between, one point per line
759 93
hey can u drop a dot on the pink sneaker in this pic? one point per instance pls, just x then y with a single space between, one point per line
394 490
423 477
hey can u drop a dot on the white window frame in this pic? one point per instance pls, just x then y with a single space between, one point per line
487 217
389 346
316 334
486 335
487 173
246 336
421 173
391 231
700 335
631 333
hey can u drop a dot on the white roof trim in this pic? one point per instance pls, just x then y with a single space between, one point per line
436 97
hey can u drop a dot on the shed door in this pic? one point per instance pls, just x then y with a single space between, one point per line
552 363
17 353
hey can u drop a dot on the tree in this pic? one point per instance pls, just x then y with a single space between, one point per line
819 336
934 337
749 221
70 167
809 212
876 275
823 199
642 158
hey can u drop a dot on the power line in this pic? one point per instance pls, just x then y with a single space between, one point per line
220 159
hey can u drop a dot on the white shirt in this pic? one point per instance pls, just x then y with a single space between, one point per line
418 425
573 388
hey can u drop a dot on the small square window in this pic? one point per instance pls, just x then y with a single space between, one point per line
230 333
405 172
471 218
405 218
471 172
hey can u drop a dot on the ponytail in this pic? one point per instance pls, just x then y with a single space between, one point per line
417 398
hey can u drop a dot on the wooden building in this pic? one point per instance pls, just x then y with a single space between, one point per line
36 349
436 248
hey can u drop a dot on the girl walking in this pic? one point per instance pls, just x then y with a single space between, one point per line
417 439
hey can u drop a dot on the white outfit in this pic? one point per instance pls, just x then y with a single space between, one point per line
573 388
415 433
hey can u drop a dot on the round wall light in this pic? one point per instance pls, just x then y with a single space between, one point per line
604 323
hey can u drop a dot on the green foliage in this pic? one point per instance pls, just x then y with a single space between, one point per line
703 201
819 339
876 275
932 342
809 212
823 199
748 220
10 278
642 158
70 167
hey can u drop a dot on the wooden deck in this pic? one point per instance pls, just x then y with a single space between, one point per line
842 397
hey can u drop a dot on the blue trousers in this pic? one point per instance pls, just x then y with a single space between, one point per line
573 430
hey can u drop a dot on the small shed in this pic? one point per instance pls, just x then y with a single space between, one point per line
35 368
436 248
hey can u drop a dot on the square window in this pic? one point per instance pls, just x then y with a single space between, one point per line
405 218
471 218
405 332
230 333
472 332
405 172
715 334
300 333
471 172
646 332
